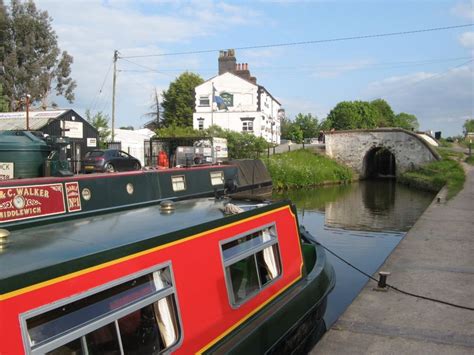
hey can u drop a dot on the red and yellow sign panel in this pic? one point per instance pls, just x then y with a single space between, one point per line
23 202
72 197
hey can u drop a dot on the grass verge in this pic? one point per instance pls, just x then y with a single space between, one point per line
433 176
470 160
302 168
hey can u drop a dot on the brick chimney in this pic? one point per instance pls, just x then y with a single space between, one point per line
227 61
243 71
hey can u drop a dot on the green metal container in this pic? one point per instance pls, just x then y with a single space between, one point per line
26 151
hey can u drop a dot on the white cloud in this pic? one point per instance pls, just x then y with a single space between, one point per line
91 30
441 101
464 10
467 39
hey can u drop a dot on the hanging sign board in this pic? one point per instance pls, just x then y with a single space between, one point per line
73 129
91 142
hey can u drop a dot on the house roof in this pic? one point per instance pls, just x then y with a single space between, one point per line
248 81
263 87
37 119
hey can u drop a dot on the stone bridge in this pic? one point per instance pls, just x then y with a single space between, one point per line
379 152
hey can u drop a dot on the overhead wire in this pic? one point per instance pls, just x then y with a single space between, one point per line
300 43
92 104
144 66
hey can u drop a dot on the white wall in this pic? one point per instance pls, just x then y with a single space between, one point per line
133 141
245 104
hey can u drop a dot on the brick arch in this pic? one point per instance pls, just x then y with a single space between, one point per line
351 148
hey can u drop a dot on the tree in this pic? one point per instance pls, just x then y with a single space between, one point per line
155 113
406 121
100 122
239 145
32 60
3 101
177 131
385 116
352 115
285 125
308 125
179 100
468 126
295 134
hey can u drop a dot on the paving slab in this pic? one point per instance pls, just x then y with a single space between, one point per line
435 259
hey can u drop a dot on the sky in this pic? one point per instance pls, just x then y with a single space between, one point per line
428 74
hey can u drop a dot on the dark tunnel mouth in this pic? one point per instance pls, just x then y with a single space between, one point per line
380 163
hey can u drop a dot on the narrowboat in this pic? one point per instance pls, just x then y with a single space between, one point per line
157 276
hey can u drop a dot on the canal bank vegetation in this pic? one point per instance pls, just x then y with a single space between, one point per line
433 176
303 168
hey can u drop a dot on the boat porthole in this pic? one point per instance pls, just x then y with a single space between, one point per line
130 188
86 194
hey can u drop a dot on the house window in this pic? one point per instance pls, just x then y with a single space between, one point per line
217 178
247 126
251 262
137 316
204 101
178 182
201 123
228 99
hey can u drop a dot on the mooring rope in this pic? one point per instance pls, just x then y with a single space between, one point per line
396 288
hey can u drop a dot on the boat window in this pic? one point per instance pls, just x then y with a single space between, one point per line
217 178
178 182
251 262
137 316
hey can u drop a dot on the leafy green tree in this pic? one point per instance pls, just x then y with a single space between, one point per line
285 125
178 131
406 121
385 116
179 99
3 101
308 125
239 145
295 134
100 121
33 63
468 126
352 115
244 145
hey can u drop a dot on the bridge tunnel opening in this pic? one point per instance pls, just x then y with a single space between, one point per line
380 163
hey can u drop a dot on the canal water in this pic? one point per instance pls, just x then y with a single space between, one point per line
361 222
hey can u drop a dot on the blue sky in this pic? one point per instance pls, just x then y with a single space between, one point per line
427 74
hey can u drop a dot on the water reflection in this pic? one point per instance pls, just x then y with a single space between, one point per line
361 222
378 205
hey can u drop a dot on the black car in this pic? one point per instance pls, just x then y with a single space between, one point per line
109 160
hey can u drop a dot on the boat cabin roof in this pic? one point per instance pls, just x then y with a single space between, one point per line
120 233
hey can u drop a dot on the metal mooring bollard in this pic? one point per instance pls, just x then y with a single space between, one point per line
382 284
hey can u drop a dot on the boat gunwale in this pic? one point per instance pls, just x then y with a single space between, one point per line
15 283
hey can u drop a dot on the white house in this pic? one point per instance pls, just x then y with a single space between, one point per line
234 101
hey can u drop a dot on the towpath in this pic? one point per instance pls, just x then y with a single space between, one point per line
435 259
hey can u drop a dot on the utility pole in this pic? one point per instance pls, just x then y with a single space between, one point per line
113 93
27 99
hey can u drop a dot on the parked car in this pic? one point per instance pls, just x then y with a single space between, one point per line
109 160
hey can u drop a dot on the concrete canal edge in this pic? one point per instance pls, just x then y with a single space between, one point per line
436 260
